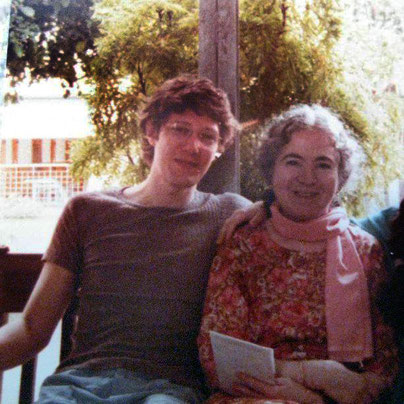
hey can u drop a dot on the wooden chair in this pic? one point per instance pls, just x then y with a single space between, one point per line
18 275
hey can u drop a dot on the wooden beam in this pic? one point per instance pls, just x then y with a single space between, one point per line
219 61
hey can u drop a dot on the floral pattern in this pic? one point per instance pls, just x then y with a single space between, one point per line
220 398
264 293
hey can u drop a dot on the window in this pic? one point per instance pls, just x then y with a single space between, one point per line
52 150
67 150
37 150
3 152
14 148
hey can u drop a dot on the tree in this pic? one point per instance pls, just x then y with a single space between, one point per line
286 58
292 55
50 38
141 45
288 55
290 52
372 47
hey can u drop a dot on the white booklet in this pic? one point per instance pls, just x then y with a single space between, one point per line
233 355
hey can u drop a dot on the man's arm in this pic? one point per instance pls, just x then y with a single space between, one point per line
26 336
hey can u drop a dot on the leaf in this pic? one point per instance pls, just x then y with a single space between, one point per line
28 11
80 46
19 51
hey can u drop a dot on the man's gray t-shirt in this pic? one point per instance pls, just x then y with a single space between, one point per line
142 277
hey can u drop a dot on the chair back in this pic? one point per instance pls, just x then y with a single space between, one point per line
18 275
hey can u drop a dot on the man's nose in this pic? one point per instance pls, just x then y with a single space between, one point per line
193 143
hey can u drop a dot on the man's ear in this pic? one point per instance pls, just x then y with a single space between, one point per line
151 134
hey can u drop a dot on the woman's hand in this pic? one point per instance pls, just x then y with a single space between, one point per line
253 214
333 379
277 388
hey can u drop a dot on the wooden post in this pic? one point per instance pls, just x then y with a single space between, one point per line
218 61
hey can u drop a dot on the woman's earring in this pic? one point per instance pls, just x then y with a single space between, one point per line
336 202
217 155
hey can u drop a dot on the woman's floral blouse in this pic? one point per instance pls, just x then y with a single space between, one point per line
264 293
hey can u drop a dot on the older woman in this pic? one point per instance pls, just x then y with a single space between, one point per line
304 282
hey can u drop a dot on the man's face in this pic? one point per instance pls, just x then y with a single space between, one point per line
184 148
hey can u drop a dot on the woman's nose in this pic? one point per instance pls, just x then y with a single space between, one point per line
307 176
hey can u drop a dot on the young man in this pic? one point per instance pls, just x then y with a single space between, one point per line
140 257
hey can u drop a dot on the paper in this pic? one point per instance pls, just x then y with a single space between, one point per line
233 355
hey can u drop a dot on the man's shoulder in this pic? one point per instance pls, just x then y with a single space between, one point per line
231 200
361 234
91 203
94 197
378 224
367 244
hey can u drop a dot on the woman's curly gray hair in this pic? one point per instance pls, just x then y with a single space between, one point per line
302 117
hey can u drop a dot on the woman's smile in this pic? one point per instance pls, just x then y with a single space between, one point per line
306 194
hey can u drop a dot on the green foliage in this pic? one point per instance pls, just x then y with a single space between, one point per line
142 44
372 49
291 55
312 51
252 183
286 58
48 38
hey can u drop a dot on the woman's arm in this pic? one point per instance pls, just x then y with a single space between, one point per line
225 309
333 378
26 336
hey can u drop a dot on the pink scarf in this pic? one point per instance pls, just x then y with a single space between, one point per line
347 306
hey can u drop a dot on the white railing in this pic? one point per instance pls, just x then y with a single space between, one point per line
46 183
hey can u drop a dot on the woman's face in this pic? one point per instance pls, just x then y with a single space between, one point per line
305 177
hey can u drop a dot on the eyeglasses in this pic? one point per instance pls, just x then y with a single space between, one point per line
182 132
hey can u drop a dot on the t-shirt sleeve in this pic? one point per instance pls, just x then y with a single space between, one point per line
65 248
231 202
